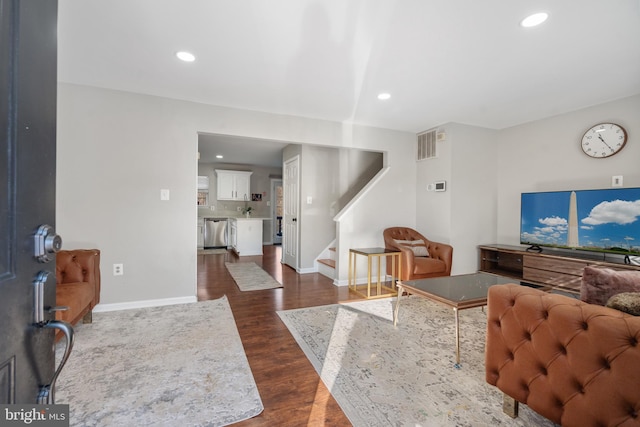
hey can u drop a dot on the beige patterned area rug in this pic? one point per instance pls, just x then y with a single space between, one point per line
251 277
179 365
382 375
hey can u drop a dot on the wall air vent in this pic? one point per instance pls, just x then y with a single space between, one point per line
427 144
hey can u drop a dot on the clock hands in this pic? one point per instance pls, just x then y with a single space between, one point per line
604 142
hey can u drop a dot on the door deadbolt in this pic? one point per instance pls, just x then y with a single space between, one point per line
46 242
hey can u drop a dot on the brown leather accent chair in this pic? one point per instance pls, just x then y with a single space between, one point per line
77 284
577 364
437 263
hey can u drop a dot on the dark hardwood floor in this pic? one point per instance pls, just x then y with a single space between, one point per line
291 390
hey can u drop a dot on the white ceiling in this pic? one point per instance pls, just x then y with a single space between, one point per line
464 61
240 151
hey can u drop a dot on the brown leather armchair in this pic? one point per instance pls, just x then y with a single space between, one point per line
436 264
77 284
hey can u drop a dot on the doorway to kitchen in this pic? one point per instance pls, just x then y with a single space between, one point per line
276 210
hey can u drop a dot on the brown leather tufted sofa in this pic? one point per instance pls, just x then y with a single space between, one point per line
77 284
436 265
577 364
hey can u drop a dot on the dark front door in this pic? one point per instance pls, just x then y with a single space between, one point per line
28 58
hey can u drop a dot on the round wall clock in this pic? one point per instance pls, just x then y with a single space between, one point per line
604 140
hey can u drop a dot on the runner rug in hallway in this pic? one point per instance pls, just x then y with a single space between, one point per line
178 365
251 277
403 376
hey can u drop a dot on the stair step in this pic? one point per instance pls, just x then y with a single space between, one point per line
332 249
329 262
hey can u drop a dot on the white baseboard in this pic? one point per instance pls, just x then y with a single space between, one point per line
100 308
306 270
345 282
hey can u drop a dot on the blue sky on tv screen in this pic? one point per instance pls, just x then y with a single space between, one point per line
606 218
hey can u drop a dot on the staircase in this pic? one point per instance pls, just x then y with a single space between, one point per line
327 266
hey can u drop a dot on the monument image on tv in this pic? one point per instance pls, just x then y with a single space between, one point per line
605 220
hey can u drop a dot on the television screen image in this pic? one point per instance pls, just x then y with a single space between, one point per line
605 220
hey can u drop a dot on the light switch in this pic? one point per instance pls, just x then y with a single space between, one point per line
164 194
309 200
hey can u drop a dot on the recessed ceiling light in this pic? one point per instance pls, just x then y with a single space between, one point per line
186 56
384 96
534 20
219 156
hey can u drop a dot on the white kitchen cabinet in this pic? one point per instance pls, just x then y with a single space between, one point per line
246 236
234 185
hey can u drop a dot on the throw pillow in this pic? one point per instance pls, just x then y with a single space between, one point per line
629 302
418 247
599 284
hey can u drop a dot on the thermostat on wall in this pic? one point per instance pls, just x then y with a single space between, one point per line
440 186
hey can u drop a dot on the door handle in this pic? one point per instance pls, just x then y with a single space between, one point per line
46 242
46 396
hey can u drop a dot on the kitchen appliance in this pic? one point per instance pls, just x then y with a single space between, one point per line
215 232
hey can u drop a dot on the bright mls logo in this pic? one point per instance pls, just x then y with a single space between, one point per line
34 415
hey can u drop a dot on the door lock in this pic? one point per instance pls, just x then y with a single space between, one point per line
46 242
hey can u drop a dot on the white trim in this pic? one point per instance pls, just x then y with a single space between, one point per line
307 270
372 183
101 308
359 281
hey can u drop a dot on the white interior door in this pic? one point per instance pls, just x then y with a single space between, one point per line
291 208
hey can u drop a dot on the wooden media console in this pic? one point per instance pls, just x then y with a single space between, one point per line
561 269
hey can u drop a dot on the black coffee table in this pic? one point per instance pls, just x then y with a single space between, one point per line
458 292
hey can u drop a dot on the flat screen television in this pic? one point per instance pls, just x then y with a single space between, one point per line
605 220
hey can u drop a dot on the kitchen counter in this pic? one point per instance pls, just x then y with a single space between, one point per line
244 218
203 217
245 235
250 242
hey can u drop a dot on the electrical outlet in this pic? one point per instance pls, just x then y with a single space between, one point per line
118 269
164 194
238 208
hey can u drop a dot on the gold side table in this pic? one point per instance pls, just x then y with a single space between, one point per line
377 253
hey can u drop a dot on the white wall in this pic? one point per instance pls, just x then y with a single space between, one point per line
319 180
391 202
464 214
388 203
487 170
116 150
546 155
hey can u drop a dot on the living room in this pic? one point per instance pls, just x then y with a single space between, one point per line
141 144
121 146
